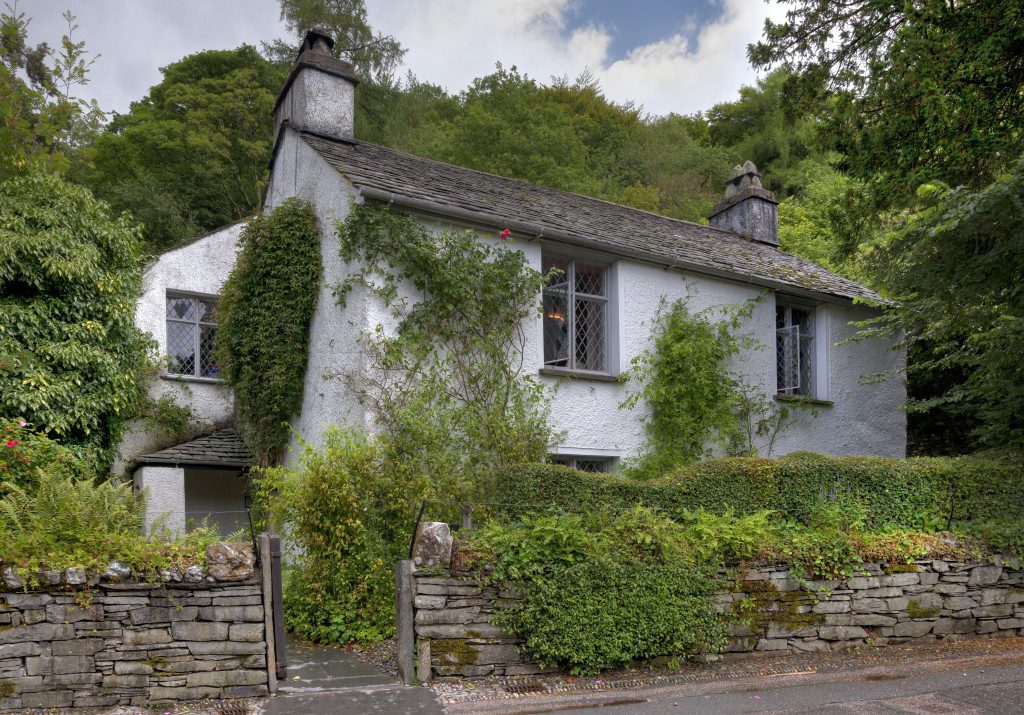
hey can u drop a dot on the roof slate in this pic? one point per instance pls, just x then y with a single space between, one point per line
594 222
221 448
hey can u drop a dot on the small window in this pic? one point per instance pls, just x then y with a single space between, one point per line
586 464
190 333
575 314
794 350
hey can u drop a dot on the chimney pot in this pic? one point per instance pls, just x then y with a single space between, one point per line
748 208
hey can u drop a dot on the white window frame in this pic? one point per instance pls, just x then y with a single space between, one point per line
812 337
197 343
570 293
573 460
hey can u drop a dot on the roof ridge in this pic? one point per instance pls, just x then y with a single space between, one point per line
356 142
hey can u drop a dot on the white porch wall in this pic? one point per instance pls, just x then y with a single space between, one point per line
199 267
165 496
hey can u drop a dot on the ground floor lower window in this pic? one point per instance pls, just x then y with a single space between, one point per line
584 463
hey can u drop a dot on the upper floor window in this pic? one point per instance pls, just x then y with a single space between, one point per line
190 332
584 463
575 314
794 350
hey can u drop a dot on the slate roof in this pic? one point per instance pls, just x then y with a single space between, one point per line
220 448
562 215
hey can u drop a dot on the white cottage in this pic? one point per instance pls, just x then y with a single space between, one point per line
621 263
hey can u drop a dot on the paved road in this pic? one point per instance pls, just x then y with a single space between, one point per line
324 680
963 686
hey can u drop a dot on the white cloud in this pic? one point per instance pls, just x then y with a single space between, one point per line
450 42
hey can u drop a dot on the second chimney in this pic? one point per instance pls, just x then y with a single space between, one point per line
748 209
319 95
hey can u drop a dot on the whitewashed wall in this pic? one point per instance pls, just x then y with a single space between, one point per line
861 419
200 267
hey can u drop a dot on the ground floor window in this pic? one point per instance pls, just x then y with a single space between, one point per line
584 463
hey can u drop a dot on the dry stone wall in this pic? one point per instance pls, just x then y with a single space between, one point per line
769 610
132 644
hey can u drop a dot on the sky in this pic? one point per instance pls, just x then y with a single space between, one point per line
668 56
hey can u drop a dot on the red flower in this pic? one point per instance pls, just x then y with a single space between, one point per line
504 235
12 443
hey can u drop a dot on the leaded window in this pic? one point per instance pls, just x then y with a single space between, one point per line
190 333
584 463
575 314
794 350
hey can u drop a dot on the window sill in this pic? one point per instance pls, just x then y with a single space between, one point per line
800 399
193 378
577 375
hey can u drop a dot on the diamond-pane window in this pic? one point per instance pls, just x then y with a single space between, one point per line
586 464
794 350
190 335
575 314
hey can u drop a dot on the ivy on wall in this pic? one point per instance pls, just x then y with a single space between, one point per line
264 314
447 385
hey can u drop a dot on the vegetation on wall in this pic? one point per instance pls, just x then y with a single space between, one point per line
695 401
263 318
973 495
602 592
71 358
446 384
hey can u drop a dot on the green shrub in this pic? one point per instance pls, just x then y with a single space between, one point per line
917 493
603 590
23 452
64 520
348 510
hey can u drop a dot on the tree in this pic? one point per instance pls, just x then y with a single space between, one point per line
957 266
925 90
374 56
42 123
71 358
192 155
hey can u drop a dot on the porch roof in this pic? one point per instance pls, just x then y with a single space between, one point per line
222 448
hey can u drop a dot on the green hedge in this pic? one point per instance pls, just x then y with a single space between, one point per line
898 493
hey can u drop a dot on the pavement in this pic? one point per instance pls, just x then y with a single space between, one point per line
323 680
972 685
972 678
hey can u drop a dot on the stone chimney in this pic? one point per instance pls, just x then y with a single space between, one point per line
319 95
748 208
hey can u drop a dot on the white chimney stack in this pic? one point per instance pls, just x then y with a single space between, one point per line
319 95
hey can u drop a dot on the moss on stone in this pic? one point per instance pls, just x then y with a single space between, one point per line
901 568
915 610
6 689
456 648
766 604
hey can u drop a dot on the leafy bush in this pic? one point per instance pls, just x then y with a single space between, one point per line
909 494
601 591
71 357
348 509
264 314
23 452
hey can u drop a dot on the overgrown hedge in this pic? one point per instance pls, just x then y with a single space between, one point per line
913 493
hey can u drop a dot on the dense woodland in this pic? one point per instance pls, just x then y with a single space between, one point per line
891 131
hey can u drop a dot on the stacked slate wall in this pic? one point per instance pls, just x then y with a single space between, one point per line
133 644
769 610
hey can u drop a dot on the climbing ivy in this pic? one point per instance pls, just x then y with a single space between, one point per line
685 381
446 385
263 323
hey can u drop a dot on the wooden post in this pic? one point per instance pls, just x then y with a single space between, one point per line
406 627
467 516
268 610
